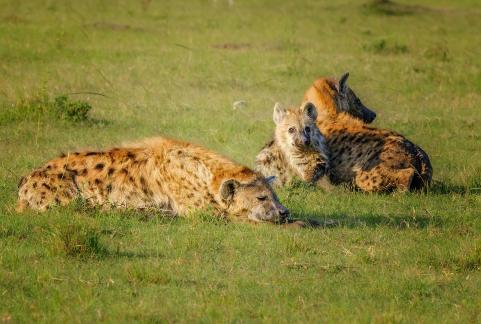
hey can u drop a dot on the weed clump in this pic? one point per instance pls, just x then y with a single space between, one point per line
42 106
78 240
76 111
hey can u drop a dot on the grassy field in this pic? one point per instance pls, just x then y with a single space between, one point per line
175 68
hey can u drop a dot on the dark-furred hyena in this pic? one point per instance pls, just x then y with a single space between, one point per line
298 149
370 159
159 174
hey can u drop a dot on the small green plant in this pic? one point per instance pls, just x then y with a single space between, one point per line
41 106
76 111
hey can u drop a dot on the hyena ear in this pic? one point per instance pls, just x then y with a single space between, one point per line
228 189
342 88
270 180
279 113
310 110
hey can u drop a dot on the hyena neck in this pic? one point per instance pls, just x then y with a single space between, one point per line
341 122
292 158
344 118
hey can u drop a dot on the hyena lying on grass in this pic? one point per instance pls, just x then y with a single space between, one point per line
371 159
298 148
158 174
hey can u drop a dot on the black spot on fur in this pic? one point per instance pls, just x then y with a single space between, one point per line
60 176
98 181
109 188
99 166
46 186
73 171
90 153
131 155
111 171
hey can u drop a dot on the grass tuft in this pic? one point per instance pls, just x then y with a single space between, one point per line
78 240
42 107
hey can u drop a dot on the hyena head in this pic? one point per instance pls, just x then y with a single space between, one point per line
301 141
334 97
254 200
348 102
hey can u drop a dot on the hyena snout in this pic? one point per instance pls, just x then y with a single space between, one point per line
370 116
303 141
366 114
283 213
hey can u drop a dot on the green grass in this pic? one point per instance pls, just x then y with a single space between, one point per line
175 68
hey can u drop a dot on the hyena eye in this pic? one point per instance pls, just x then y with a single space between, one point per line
291 130
262 198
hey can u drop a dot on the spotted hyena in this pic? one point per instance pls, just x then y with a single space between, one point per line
298 149
371 159
160 174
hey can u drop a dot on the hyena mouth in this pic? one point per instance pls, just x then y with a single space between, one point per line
320 170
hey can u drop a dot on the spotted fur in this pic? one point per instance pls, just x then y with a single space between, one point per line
371 159
298 149
160 174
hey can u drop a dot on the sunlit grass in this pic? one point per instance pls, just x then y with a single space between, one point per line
176 68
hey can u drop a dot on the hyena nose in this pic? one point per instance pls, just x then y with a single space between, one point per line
284 212
306 141
372 115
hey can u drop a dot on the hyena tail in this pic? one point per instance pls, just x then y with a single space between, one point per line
22 204
422 178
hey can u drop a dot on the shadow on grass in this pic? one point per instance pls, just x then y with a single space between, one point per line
373 221
392 8
444 188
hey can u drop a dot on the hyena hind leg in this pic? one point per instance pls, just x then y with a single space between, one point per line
42 192
381 179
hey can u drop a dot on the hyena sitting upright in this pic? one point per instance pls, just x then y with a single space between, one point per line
298 149
370 159
158 174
